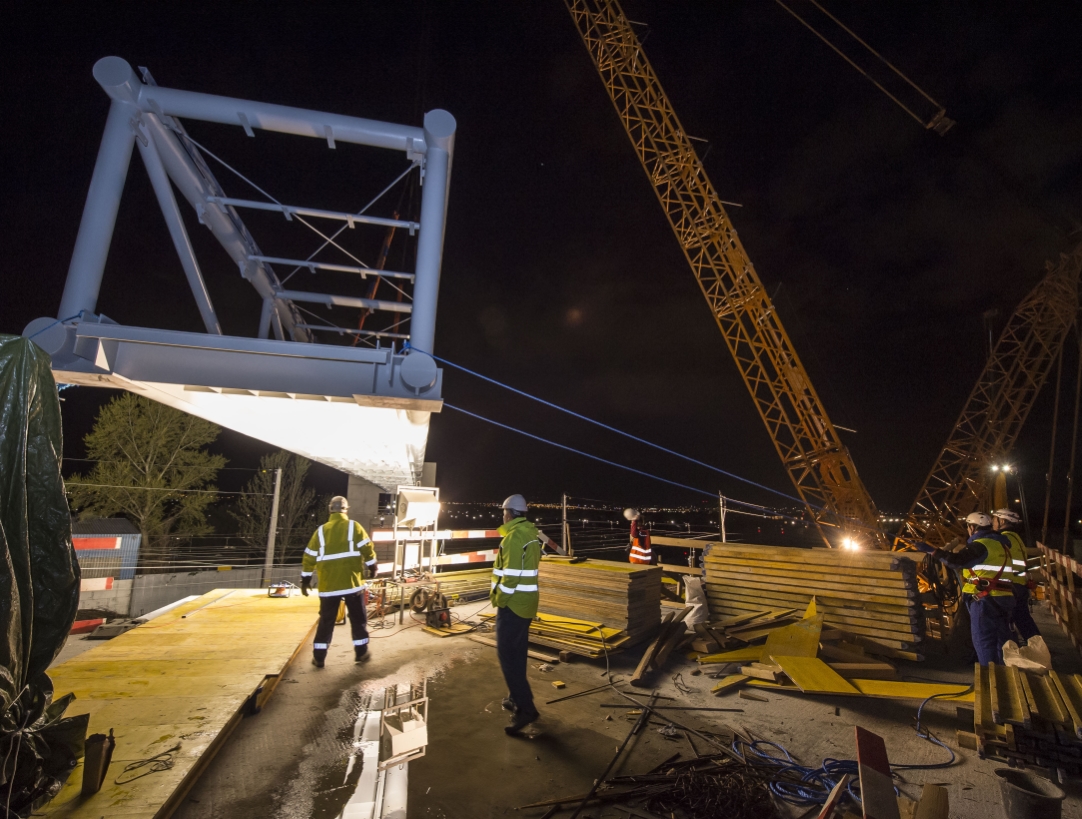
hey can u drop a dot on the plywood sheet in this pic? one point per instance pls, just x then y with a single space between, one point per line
812 676
176 680
801 639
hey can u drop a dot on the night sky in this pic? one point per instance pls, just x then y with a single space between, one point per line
884 243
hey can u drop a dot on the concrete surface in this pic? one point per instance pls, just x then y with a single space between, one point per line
290 760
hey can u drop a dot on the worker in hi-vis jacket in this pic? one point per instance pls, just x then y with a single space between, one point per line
515 597
639 550
341 555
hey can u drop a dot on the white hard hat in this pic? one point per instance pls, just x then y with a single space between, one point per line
338 504
515 503
631 514
978 519
1008 515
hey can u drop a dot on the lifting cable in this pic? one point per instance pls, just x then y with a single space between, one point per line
939 121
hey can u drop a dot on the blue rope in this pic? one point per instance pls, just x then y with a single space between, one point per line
599 458
406 347
815 784
58 321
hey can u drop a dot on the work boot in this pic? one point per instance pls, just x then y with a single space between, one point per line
361 656
508 704
317 662
520 720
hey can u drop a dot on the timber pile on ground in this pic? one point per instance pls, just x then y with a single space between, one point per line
472 584
596 605
870 594
1027 718
801 656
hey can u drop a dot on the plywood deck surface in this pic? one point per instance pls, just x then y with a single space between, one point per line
177 680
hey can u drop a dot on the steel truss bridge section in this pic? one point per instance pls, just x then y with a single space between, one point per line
998 406
364 411
818 463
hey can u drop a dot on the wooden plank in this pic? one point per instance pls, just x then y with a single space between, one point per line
876 786
827 581
751 635
736 655
751 695
648 655
867 671
841 655
761 673
1020 714
834 797
889 689
868 573
730 683
993 695
812 676
934 803
1069 695
739 619
676 630
801 639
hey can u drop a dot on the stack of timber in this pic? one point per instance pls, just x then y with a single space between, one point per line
472 584
870 594
621 596
1028 718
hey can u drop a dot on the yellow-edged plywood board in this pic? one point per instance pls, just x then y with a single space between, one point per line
177 680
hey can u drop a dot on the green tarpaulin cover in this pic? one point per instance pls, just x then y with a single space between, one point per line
39 583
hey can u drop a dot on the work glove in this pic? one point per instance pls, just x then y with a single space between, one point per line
306 584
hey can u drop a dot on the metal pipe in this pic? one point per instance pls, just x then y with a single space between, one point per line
330 328
341 268
289 210
265 318
440 136
345 301
272 535
281 118
159 180
1074 441
1052 450
99 213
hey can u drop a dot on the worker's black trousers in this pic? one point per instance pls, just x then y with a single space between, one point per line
512 638
328 613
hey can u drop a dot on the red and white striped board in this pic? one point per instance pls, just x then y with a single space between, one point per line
386 535
95 584
876 785
95 543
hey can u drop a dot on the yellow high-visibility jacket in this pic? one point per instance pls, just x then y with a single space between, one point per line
338 553
514 574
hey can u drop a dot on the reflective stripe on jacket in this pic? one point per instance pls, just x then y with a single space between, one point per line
515 572
995 565
1018 554
338 553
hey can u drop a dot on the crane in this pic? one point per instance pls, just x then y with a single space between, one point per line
817 461
992 418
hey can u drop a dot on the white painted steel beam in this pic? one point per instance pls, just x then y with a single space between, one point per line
159 180
288 212
364 272
331 300
119 80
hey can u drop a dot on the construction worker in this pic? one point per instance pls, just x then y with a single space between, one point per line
988 575
341 555
514 595
639 550
1007 523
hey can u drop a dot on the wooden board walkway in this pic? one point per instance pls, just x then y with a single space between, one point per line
188 677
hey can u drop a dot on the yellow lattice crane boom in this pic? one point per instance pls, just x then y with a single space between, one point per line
998 406
817 461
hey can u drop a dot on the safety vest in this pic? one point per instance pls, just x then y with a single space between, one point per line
514 574
338 552
1018 555
641 551
994 574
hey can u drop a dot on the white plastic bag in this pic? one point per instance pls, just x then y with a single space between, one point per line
694 596
1034 656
